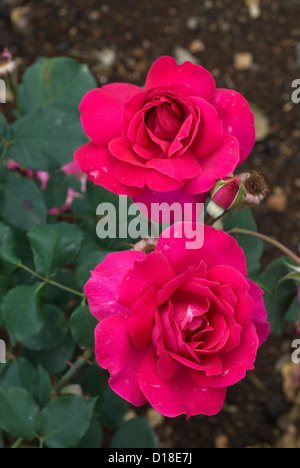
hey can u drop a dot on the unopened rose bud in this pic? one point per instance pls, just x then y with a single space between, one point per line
7 64
228 193
256 188
146 245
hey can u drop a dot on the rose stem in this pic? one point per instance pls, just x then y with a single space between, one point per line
268 239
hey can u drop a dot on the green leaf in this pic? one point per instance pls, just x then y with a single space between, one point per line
93 437
65 421
52 333
88 264
41 387
46 140
4 128
85 208
8 246
54 246
252 247
17 373
1 441
23 248
57 190
4 132
293 275
58 83
55 360
292 315
135 433
83 326
22 313
92 380
4 288
278 297
22 203
112 408
59 296
18 412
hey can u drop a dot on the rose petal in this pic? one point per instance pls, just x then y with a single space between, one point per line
237 117
166 72
141 319
116 352
216 165
260 317
179 396
235 364
134 176
101 287
179 168
152 271
163 337
227 275
100 165
210 131
102 111
219 248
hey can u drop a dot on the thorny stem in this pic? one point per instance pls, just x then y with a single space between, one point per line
268 239
53 283
74 369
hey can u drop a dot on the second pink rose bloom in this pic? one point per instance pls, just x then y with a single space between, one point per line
170 141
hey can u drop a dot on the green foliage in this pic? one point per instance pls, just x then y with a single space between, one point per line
252 247
22 203
17 373
112 408
279 296
41 387
46 139
135 433
65 421
55 83
18 412
8 246
54 246
45 261
82 325
22 312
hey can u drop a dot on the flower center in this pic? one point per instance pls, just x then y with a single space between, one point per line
164 121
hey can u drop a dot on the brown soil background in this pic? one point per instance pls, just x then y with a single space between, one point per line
132 34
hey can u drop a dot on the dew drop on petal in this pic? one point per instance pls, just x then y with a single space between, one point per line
94 174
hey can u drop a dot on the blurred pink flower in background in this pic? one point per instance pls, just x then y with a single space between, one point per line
7 64
71 169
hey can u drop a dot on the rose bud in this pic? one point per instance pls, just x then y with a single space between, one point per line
255 186
7 65
228 193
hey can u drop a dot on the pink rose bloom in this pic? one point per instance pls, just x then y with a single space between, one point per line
175 138
177 326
